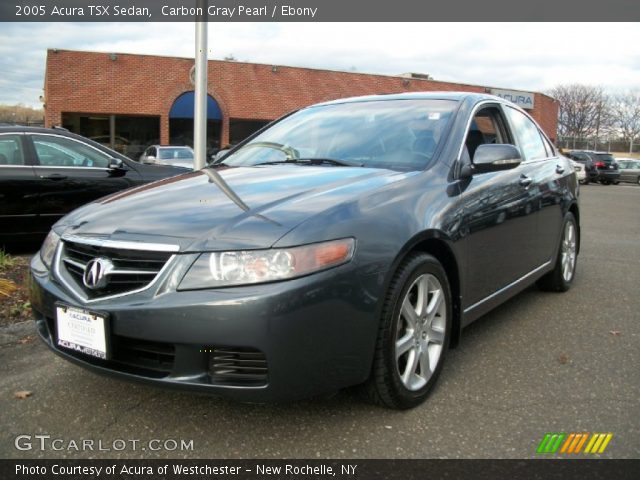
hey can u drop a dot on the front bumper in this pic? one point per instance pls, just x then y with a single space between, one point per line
316 334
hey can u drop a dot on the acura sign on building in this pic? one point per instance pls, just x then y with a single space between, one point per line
522 99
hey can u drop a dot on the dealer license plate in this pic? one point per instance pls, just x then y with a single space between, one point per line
82 331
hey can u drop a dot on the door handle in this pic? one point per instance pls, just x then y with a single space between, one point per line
525 181
53 176
559 169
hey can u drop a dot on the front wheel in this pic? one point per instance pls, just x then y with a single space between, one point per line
561 277
413 336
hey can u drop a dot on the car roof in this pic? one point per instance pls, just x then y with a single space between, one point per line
21 128
454 96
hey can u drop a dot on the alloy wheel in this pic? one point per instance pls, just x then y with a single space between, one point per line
420 331
568 256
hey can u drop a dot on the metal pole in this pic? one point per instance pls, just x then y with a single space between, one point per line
200 110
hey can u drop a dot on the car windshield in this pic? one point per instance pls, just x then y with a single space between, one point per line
394 134
169 153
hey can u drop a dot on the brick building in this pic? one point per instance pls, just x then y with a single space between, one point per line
130 101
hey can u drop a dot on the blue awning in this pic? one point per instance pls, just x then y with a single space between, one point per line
183 107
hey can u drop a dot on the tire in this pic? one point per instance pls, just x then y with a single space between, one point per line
562 275
638 180
616 182
422 330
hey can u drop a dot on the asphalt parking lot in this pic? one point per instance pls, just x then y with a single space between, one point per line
540 363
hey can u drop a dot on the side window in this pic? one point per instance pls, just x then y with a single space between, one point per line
11 150
550 150
487 126
527 134
56 151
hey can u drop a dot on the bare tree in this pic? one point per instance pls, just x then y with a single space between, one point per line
625 108
20 114
583 110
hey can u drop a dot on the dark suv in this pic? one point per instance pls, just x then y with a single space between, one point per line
47 172
599 166
348 243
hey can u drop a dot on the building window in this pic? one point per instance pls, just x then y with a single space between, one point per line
127 134
241 129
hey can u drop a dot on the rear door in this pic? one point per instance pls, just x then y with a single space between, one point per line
552 177
625 170
72 173
18 189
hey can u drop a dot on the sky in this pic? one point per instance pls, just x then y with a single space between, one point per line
519 56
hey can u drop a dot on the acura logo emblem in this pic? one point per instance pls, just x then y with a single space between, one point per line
96 272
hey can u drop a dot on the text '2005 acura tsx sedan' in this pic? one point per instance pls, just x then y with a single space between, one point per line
348 243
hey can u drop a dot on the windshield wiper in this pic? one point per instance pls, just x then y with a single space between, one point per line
315 161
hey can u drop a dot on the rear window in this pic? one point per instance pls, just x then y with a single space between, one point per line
605 157
169 153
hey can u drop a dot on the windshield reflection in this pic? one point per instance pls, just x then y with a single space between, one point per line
394 134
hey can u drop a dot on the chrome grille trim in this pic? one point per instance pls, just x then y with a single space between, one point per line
122 244
61 261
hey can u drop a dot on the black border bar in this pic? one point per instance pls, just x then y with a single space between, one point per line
565 469
320 11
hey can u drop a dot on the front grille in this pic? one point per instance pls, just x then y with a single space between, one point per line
237 366
130 269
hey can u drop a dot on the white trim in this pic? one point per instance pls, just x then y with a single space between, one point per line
79 167
504 289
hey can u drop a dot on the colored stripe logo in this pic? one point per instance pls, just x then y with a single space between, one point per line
573 443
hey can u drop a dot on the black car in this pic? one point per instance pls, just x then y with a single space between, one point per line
348 243
45 173
599 166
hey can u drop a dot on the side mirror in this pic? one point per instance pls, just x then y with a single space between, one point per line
116 164
491 157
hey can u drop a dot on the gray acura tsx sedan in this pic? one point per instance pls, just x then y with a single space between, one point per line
348 243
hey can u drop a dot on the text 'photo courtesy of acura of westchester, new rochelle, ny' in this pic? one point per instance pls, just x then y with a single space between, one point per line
346 244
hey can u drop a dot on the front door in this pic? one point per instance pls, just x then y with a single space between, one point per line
499 218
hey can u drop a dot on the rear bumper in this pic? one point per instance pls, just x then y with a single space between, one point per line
592 175
315 334
609 175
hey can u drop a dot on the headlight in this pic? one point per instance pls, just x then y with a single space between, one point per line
48 249
224 269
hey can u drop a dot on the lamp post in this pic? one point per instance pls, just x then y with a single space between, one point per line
200 107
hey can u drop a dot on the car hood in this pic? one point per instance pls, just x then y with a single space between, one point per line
225 208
